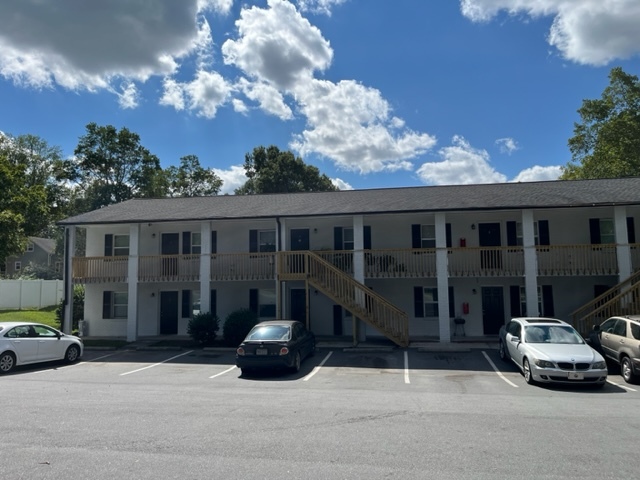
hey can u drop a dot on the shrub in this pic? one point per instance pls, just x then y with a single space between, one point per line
203 328
78 308
237 325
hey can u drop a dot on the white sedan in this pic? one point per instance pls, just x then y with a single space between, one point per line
548 350
22 343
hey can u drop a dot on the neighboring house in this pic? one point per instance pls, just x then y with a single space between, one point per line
405 263
40 252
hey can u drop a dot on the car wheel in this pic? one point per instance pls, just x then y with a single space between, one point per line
73 353
526 370
7 362
245 371
502 351
296 363
626 369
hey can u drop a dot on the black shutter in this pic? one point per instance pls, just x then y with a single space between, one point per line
106 304
186 243
418 300
416 236
213 303
253 300
367 237
448 233
631 230
512 234
514 296
108 245
253 240
337 320
214 242
547 301
337 238
594 230
452 304
186 303
543 232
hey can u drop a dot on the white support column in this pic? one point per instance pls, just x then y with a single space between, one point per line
358 266
70 250
623 251
442 271
205 267
132 275
281 291
530 264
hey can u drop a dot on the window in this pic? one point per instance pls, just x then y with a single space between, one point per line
430 298
17 266
115 304
267 303
607 231
116 245
347 239
30 247
519 236
267 241
196 243
263 302
428 236
523 300
190 303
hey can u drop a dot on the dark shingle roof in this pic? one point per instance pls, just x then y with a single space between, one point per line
499 196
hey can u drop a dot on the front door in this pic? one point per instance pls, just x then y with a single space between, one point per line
170 246
299 305
299 242
168 313
489 236
492 310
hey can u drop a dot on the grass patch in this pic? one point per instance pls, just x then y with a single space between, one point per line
47 316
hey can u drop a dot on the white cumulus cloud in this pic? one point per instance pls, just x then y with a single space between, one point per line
341 184
538 173
319 6
507 145
593 32
232 178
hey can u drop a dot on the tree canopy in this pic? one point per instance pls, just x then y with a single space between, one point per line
606 144
271 171
190 179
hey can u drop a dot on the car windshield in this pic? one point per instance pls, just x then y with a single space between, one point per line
269 332
552 334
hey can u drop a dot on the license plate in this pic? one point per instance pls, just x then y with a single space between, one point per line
261 351
576 376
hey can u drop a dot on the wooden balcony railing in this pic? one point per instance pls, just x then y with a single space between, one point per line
486 261
169 268
577 260
552 260
100 269
243 266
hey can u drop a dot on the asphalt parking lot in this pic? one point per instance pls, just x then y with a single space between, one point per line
346 414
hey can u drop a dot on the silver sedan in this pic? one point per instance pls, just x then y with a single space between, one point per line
23 343
548 350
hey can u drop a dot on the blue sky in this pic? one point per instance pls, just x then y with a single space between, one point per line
375 93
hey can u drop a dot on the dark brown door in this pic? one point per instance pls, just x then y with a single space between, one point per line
489 236
299 305
168 313
299 242
492 310
170 246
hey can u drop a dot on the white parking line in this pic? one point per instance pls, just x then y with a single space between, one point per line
317 369
222 373
493 365
406 367
621 386
156 364
99 358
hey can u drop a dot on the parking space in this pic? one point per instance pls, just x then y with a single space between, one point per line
478 371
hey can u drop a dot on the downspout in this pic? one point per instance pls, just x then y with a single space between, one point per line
65 327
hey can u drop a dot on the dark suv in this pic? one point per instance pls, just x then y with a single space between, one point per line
620 341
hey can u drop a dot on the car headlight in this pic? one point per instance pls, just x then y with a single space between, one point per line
544 363
599 366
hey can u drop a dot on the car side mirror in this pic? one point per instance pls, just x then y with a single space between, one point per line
515 339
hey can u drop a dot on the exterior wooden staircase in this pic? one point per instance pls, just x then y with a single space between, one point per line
362 302
621 299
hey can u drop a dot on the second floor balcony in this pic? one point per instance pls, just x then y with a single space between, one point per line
551 260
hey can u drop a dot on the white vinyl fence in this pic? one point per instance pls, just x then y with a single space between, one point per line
30 294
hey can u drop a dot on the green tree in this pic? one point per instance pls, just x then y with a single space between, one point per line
23 207
192 180
606 144
111 166
271 171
